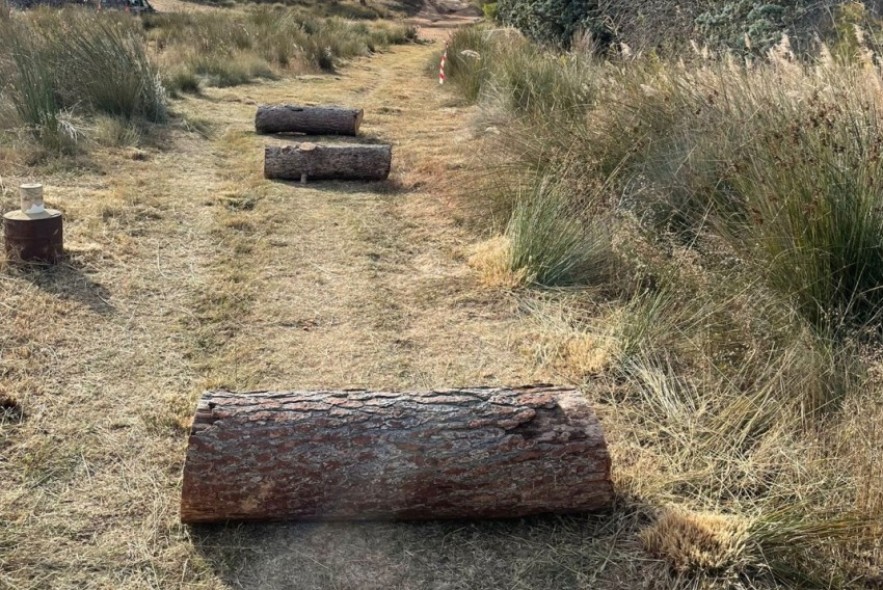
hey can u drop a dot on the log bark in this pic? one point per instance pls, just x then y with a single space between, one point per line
323 120
356 454
308 161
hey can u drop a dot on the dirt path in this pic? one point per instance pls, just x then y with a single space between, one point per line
188 270
359 284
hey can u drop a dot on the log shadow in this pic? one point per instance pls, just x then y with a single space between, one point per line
68 279
390 186
295 138
546 552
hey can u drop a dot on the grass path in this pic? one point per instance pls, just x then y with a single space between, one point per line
188 270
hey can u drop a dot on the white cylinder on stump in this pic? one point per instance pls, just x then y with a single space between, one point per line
33 233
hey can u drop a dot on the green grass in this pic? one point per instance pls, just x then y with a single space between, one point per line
105 64
32 91
553 246
470 53
60 68
69 64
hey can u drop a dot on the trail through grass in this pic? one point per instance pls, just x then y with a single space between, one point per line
188 270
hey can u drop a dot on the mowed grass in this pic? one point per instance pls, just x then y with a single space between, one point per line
186 271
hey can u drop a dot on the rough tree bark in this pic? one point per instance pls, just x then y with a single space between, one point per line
359 454
309 161
324 120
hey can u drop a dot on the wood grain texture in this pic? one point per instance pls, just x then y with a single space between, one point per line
327 162
318 120
464 453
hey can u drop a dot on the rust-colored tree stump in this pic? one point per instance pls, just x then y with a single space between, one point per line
338 455
33 234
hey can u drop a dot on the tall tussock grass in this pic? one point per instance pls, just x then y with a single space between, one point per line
228 49
72 62
58 67
740 255
550 245
105 64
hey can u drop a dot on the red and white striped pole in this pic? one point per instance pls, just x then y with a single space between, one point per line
441 66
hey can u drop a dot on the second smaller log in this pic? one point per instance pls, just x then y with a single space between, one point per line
319 120
309 161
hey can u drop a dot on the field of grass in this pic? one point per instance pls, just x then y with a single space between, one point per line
697 243
718 225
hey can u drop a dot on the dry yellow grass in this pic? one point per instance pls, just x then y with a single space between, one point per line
691 541
491 259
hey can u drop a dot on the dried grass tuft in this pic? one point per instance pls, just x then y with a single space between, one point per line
492 259
691 541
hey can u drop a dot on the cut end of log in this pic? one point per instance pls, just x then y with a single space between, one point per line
358 455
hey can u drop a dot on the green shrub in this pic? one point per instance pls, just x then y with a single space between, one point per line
555 22
740 25
490 11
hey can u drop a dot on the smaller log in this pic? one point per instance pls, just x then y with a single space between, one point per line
321 120
308 161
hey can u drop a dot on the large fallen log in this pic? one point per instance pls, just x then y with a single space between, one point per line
374 455
323 120
305 161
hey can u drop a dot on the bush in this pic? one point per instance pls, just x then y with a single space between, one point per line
490 11
740 25
555 22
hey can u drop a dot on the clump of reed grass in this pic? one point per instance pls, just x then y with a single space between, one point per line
74 63
104 63
32 85
471 51
553 246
